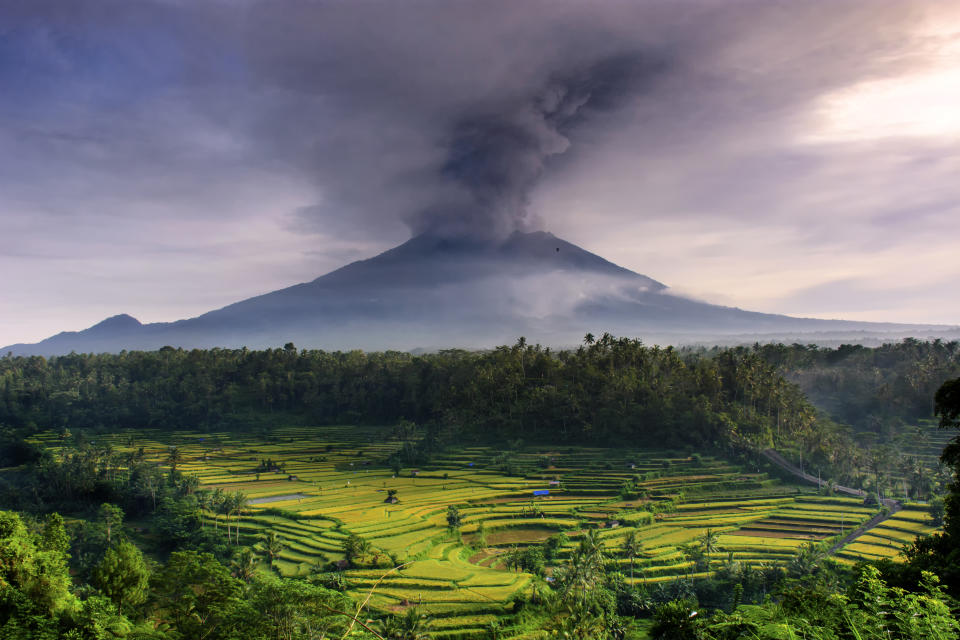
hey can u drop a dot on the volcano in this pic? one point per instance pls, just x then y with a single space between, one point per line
437 291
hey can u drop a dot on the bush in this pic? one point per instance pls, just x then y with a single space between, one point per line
937 511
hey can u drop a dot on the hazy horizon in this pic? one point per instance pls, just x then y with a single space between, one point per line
165 159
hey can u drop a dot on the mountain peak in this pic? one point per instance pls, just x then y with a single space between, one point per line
430 259
119 322
459 291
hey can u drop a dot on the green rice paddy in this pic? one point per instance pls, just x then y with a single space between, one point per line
331 482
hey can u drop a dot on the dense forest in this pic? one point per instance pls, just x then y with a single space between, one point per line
609 390
875 390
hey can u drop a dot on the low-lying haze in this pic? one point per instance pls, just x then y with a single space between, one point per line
166 158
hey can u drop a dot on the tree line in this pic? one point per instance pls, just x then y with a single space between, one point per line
609 390
612 391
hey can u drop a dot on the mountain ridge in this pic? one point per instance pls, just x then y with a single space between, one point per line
457 291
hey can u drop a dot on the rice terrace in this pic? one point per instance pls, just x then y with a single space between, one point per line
663 515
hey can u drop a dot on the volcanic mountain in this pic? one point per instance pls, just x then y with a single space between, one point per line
436 291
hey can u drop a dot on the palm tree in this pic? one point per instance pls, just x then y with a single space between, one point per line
410 626
237 502
364 548
390 627
512 558
174 458
540 590
632 547
413 625
215 504
225 506
189 484
203 502
583 571
244 564
708 542
272 545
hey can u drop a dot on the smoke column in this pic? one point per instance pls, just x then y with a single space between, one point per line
497 156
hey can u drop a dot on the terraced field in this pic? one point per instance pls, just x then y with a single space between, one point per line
326 483
887 539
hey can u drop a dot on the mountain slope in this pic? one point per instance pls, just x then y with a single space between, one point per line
435 291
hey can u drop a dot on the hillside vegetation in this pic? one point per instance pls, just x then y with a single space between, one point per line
608 391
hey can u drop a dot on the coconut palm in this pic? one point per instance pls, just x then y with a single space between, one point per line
272 545
632 548
364 548
708 542
584 571
189 484
413 625
215 504
511 558
237 502
540 591
203 502
225 507
244 564
173 458
390 627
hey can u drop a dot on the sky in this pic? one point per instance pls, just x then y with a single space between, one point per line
168 157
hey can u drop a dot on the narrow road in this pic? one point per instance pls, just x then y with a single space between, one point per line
866 526
891 504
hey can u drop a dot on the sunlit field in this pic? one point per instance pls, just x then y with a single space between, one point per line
323 484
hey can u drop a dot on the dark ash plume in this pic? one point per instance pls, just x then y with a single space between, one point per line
497 156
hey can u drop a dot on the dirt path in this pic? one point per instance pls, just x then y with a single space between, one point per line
892 505
866 526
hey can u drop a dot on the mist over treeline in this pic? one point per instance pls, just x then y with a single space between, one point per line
876 390
607 391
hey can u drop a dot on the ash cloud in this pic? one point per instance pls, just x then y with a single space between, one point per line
447 124
498 156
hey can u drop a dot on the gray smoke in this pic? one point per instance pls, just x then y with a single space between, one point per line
444 117
499 155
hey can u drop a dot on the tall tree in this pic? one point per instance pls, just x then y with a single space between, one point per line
272 545
632 548
454 520
54 536
122 575
196 594
244 564
111 519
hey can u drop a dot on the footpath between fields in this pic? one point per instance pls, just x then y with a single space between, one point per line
892 505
